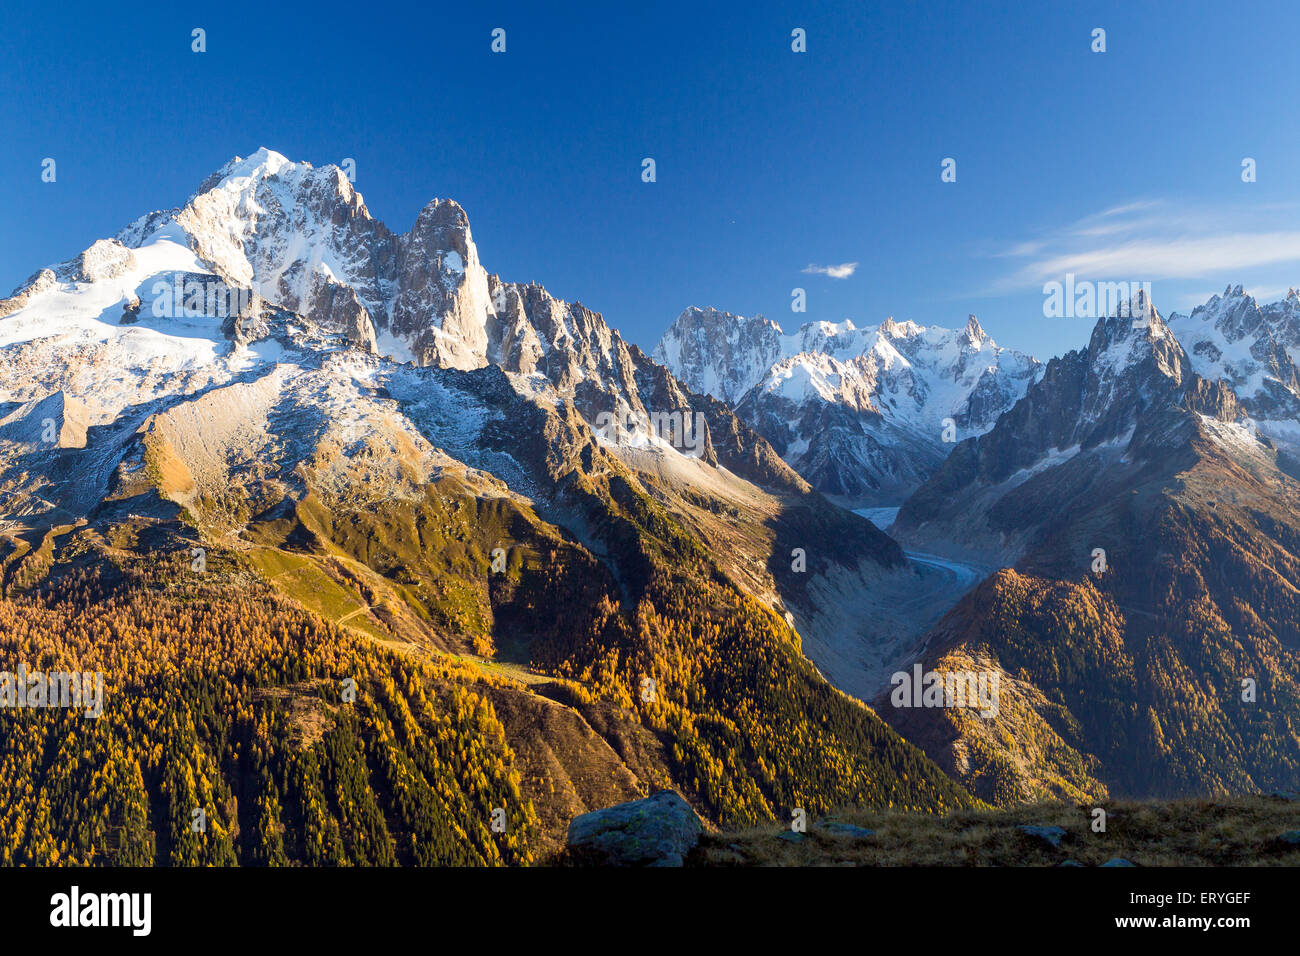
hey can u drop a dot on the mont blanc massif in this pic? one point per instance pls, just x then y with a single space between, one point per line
381 558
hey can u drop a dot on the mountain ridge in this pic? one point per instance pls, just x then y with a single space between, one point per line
864 413
1146 536
251 407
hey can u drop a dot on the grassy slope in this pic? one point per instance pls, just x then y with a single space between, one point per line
742 722
1243 831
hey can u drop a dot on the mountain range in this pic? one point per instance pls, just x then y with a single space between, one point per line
1145 619
477 503
386 559
865 415
1138 497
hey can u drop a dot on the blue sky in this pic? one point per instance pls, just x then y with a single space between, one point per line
1118 166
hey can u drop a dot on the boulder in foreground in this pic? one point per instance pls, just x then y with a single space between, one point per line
659 830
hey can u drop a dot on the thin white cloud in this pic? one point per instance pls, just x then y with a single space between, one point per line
1150 241
1154 259
841 271
1128 207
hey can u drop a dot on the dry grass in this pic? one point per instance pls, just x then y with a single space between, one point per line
1241 831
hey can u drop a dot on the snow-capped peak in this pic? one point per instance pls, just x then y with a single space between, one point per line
265 162
1255 349
302 238
1130 336
720 353
859 411
299 264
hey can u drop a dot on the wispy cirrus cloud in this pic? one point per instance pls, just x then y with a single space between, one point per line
841 271
1153 240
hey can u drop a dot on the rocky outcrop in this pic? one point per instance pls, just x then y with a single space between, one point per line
105 259
443 305
56 421
42 281
660 830
338 309
1049 835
